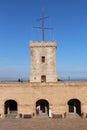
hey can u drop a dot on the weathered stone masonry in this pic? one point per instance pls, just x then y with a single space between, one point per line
57 94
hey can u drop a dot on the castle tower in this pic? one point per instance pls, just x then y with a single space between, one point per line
43 62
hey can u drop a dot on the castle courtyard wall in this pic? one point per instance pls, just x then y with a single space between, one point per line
57 94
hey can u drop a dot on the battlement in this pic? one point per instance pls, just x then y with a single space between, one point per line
43 44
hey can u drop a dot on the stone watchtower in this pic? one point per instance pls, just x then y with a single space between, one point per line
43 62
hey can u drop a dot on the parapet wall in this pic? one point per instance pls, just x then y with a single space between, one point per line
43 44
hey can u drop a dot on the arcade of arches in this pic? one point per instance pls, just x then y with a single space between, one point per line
65 98
42 107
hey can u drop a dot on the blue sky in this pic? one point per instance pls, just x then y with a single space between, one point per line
69 20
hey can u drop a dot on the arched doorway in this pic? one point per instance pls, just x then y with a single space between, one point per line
42 107
10 107
74 106
43 78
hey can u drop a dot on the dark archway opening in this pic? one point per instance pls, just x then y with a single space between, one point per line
10 107
74 106
43 78
42 107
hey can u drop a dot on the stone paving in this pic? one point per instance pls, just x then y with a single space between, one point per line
43 124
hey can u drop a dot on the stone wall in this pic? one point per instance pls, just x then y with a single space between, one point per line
38 68
57 94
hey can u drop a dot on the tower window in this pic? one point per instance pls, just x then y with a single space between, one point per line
43 59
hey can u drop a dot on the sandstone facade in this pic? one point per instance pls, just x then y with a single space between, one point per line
43 62
57 95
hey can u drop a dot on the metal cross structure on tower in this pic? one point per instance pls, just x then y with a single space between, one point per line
43 28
